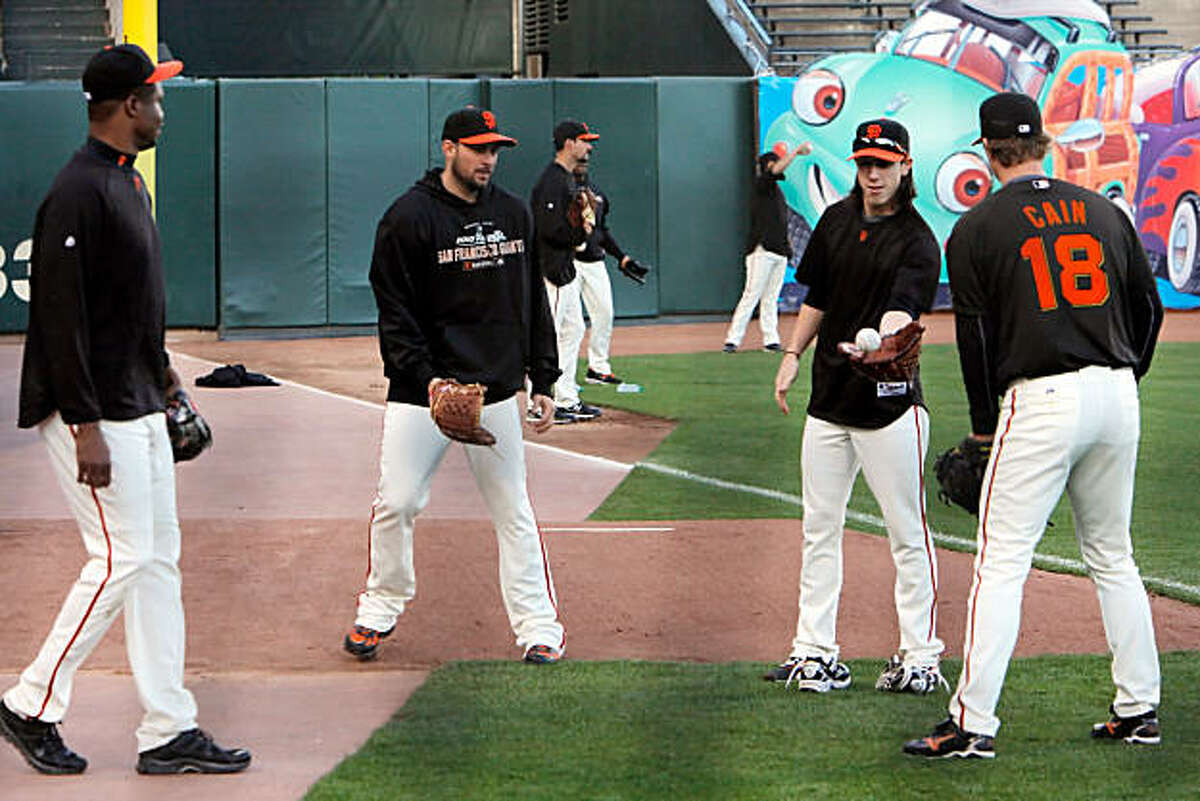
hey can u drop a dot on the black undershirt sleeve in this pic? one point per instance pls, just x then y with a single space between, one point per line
974 356
916 277
1145 306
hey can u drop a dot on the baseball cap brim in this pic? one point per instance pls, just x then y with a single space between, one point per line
587 137
489 138
165 69
877 153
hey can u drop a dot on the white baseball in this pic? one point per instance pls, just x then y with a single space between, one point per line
867 339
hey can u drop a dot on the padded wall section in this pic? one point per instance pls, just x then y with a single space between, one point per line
378 147
525 111
295 38
273 203
43 124
186 202
705 167
624 165
446 96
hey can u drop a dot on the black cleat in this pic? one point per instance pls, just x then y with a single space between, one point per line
40 744
1135 729
192 752
364 642
948 740
594 377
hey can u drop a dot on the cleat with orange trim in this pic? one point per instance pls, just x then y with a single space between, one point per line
948 740
542 655
1135 729
363 642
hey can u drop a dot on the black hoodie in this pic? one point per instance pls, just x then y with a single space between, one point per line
458 294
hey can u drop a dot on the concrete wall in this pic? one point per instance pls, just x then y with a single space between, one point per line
1181 17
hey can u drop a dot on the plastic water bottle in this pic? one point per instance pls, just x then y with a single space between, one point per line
627 387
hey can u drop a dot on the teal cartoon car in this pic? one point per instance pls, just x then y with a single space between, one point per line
932 75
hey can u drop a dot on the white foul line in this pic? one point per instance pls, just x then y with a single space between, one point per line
612 529
1044 561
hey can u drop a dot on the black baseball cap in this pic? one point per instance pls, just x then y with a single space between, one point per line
572 129
881 139
117 70
1009 115
475 126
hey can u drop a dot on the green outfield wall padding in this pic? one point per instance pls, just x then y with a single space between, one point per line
445 97
634 37
705 167
272 203
624 165
41 125
308 38
186 202
378 147
525 111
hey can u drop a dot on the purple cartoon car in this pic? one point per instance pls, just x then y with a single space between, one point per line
1166 117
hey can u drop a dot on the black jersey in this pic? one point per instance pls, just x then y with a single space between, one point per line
555 241
859 268
1058 277
768 215
94 348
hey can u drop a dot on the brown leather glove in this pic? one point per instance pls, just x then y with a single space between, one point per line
456 409
896 358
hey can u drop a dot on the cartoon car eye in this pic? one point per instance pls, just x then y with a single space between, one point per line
962 182
818 97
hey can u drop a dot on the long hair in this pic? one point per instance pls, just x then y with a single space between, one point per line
905 192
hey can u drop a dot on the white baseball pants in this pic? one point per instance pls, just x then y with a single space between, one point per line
131 534
1077 431
413 448
596 289
764 280
568 325
892 459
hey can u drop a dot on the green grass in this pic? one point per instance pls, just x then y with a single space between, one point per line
729 429
604 731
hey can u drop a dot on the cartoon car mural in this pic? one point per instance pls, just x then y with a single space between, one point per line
1166 117
932 75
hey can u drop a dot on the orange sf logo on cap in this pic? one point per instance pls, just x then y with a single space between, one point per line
489 119
874 131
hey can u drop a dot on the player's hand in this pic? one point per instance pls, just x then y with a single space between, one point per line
174 382
91 453
545 411
785 376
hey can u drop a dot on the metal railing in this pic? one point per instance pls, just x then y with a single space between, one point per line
746 32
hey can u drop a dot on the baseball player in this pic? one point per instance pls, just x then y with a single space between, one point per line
594 284
92 384
554 252
767 252
1056 310
460 298
872 262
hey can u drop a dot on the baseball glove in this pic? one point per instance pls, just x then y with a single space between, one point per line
960 473
456 408
634 271
895 359
188 431
582 209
